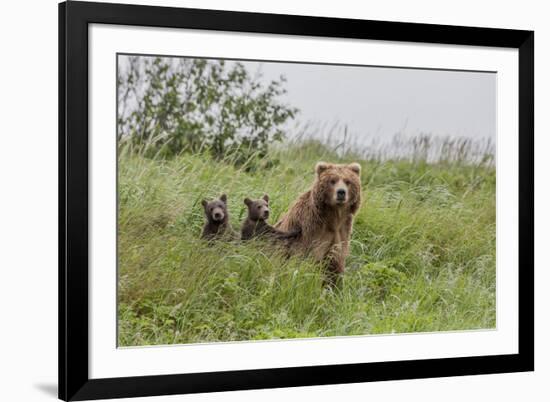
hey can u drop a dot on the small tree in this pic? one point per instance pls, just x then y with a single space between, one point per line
172 105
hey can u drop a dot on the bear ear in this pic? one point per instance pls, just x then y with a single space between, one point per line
320 167
266 198
223 198
355 167
247 201
204 203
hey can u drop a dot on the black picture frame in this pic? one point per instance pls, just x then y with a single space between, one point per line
74 381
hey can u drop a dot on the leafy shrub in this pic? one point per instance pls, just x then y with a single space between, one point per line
171 105
381 279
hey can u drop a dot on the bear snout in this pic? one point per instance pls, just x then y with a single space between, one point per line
217 214
266 213
341 194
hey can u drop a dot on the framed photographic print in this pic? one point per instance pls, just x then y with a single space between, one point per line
258 200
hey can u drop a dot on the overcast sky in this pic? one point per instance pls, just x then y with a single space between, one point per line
380 102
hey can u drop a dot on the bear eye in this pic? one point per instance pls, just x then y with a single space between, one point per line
347 182
333 182
259 207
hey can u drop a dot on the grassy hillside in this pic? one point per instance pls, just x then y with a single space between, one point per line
422 253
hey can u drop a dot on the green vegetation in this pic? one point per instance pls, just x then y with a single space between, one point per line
169 106
422 252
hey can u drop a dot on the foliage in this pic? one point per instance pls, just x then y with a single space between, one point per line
174 105
422 252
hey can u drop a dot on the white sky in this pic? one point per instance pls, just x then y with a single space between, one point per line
380 102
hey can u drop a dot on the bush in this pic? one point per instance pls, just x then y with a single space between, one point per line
172 105
382 280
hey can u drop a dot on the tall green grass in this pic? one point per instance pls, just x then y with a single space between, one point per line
422 251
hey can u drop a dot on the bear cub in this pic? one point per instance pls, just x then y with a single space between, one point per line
256 224
217 219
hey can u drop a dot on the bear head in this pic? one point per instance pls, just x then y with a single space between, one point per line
258 210
337 186
216 210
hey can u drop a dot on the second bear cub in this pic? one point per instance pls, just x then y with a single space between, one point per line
256 222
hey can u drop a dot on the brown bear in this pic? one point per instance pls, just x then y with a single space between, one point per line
217 220
255 224
325 215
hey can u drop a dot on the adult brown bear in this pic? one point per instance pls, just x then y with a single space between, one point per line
324 214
